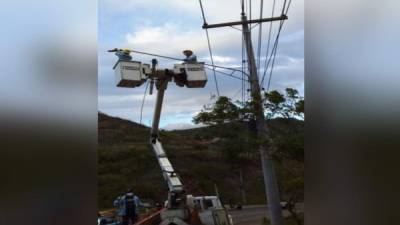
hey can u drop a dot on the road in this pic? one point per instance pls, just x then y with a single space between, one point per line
253 215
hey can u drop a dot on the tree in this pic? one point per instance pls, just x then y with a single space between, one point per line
288 138
300 108
224 110
274 104
234 145
288 105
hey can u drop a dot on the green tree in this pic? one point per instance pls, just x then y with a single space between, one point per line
223 110
288 138
300 108
274 104
288 105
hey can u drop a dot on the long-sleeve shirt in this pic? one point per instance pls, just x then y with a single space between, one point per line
123 56
120 204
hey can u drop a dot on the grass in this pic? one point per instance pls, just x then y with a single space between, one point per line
126 160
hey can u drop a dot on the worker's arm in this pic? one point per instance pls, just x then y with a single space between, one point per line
117 201
140 203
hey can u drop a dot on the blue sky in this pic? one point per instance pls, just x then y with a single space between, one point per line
167 27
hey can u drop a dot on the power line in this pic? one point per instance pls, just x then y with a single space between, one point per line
212 62
254 26
202 11
178 59
273 54
272 68
259 45
269 40
209 48
236 28
144 98
243 83
274 50
227 74
250 8
280 28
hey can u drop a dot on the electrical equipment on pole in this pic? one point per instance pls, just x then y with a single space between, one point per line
271 184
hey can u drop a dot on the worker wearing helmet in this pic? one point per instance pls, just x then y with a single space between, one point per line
124 54
128 207
190 57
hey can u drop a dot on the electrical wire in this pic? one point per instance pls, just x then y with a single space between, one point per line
269 39
202 12
182 60
209 47
212 62
280 28
250 8
236 28
273 53
144 99
274 50
226 74
243 84
259 44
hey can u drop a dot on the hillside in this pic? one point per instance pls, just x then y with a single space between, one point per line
202 157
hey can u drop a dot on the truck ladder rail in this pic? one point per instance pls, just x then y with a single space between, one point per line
174 183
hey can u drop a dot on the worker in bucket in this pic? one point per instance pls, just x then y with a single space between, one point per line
190 57
122 54
128 207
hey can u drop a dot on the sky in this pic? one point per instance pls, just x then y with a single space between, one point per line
167 27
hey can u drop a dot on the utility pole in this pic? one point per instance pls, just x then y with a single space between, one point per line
270 181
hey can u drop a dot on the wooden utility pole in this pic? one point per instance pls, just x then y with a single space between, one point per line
270 181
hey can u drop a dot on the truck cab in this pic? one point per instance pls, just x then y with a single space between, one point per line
210 210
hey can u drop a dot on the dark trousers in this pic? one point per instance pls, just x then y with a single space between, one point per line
127 218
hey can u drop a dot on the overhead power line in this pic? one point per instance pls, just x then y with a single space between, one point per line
227 74
275 46
182 60
273 55
269 40
144 99
259 44
209 47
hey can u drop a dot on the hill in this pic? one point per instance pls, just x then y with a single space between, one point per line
203 157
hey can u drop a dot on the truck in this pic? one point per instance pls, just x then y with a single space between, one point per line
181 208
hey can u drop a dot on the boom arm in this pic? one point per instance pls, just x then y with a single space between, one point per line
175 186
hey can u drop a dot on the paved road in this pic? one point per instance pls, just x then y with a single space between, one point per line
252 215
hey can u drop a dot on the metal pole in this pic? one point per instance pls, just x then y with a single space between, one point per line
153 71
270 182
159 101
157 110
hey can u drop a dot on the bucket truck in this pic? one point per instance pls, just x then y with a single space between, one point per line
181 208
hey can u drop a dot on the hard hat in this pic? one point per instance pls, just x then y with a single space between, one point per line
188 52
125 50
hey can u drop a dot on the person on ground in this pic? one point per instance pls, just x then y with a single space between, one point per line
128 207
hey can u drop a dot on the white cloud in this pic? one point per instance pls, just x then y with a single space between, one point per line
221 59
178 29
171 38
181 126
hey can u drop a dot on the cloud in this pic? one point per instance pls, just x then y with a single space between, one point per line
167 27
173 38
221 59
182 126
